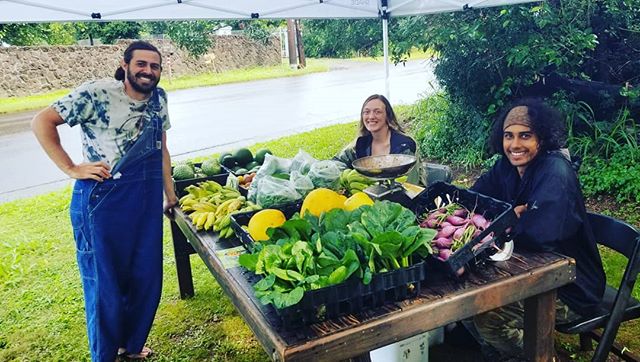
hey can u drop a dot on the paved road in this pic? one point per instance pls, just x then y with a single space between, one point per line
210 119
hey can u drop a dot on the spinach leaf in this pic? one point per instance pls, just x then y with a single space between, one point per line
248 261
265 283
286 299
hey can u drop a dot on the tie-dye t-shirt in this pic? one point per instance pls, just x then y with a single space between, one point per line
111 121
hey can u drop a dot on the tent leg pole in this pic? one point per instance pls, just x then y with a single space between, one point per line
385 46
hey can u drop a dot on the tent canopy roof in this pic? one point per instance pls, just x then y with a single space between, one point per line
29 11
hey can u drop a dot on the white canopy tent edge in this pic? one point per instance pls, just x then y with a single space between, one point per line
33 11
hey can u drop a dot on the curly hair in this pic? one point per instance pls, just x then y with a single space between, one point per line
392 121
546 122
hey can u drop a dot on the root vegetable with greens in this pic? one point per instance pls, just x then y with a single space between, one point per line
456 226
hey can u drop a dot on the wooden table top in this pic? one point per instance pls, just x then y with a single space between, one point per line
442 300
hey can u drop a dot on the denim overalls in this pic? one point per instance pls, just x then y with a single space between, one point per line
117 226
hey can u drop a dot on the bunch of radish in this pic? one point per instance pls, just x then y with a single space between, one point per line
456 226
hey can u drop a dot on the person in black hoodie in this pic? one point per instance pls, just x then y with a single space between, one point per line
537 178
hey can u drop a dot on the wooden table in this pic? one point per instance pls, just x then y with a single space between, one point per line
533 278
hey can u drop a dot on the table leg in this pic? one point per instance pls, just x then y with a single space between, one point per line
181 250
539 326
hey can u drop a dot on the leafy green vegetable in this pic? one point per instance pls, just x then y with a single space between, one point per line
311 253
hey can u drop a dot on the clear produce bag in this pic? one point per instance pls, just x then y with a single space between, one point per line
302 183
325 173
302 162
273 191
271 165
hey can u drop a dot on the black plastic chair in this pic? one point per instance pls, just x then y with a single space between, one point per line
618 305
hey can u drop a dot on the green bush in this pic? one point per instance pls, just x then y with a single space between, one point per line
449 132
617 176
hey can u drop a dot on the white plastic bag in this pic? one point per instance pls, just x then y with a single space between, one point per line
326 174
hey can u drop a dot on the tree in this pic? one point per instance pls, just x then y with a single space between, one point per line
24 34
342 38
586 48
192 36
111 31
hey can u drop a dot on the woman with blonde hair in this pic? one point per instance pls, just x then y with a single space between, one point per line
379 134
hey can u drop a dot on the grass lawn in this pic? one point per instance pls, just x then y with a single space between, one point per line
41 303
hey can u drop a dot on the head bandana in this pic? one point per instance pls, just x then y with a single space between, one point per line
517 115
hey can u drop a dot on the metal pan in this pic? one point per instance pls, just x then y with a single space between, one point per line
384 166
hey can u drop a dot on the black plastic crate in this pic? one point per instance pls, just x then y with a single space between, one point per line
394 286
227 169
352 296
242 218
180 185
499 212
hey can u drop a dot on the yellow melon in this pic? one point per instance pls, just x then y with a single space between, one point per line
356 200
262 220
322 200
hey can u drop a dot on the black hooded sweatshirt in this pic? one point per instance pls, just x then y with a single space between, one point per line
556 220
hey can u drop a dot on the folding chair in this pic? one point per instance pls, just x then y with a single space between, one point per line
618 305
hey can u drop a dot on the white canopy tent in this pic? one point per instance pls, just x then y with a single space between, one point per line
31 11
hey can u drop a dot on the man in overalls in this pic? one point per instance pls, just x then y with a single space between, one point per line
117 204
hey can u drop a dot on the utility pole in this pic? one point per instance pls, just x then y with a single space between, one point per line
303 60
291 41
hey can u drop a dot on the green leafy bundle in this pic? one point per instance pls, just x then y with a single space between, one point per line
312 253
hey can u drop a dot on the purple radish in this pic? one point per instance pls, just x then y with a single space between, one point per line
435 215
457 235
479 221
446 232
460 213
443 243
456 220
444 254
486 238
430 223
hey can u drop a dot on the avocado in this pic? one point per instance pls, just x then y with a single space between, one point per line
222 156
251 165
243 156
228 161
260 155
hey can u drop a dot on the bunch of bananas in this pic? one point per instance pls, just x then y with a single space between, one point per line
352 181
211 205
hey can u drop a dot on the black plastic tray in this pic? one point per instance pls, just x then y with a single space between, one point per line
242 218
352 296
227 169
501 213
345 298
180 185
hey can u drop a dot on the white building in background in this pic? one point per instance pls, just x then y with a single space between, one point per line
224 31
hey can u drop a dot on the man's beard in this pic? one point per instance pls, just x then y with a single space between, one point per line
142 88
